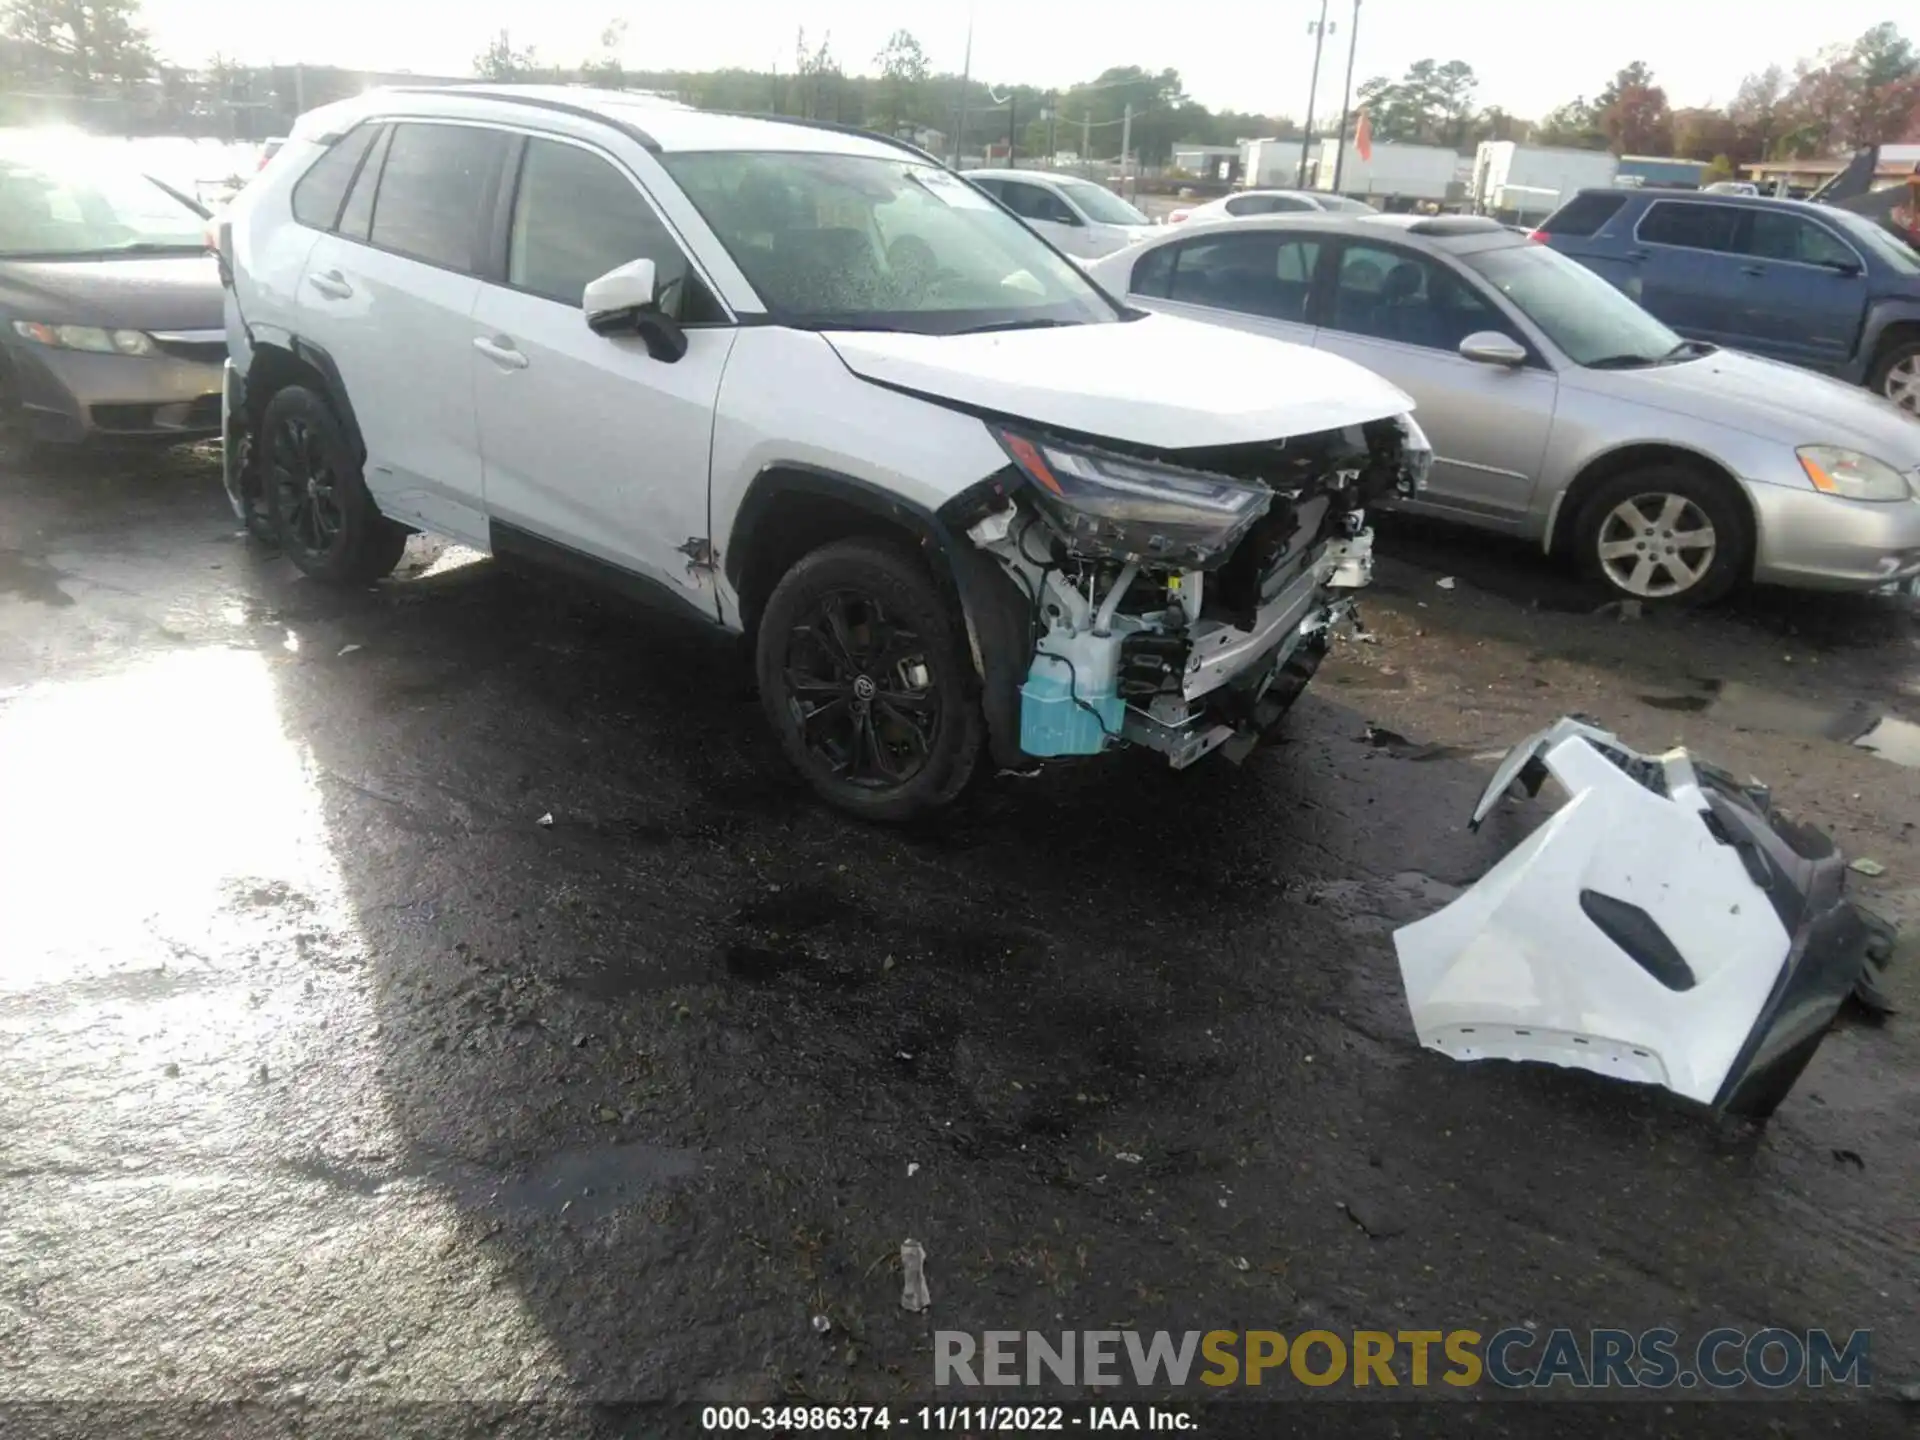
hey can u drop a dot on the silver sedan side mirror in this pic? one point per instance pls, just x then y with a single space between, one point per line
1490 347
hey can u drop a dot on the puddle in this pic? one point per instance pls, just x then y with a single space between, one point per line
589 1183
1746 707
29 579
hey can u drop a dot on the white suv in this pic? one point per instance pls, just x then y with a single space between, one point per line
806 384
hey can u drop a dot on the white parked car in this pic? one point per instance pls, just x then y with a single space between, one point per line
806 384
1270 202
1081 218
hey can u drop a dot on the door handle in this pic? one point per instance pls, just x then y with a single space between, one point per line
500 350
331 283
1753 270
1636 255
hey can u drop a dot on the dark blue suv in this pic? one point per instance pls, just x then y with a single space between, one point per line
1807 284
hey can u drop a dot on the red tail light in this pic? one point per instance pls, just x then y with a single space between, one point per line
1539 237
1177 216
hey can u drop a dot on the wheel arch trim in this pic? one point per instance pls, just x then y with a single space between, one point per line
1618 459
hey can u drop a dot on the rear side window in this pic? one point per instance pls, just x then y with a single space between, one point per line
317 198
576 217
432 188
1694 226
1584 214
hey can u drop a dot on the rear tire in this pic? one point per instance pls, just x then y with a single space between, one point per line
1665 535
866 682
323 518
1896 374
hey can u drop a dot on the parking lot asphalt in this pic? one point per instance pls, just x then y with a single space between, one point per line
444 991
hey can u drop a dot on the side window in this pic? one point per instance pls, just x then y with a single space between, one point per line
1584 214
431 190
1032 202
1152 272
356 218
1780 235
575 217
1689 224
992 187
1250 272
1394 295
318 195
1265 205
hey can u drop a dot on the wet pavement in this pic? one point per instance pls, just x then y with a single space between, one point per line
329 1071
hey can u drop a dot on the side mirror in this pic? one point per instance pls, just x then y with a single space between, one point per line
1490 347
1843 267
625 301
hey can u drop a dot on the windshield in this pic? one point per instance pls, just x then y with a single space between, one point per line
1893 252
1100 204
865 242
82 212
1581 313
1346 206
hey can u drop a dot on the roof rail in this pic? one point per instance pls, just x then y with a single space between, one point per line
539 102
837 128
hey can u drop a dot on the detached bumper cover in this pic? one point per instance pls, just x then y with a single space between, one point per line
1663 926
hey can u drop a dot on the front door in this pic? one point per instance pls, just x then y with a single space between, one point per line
1403 316
590 442
1691 272
1808 288
1049 215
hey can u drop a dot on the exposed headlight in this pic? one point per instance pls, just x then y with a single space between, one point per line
1111 505
86 337
1419 456
1850 474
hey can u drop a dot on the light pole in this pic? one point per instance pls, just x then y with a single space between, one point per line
1346 95
1319 30
966 78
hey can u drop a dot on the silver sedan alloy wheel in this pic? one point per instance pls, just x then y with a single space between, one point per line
1902 385
1657 546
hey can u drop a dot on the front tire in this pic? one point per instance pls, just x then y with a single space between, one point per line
1896 375
323 518
1665 535
864 678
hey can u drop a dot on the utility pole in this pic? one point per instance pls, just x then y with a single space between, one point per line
1346 95
1126 145
1013 131
1052 118
966 78
1319 30
1086 137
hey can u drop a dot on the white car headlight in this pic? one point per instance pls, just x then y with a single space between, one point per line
1851 475
86 337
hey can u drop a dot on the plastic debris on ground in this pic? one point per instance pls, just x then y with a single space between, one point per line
914 1295
545 822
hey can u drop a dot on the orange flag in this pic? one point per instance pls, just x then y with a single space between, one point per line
1363 137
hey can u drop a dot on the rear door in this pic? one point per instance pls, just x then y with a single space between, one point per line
1403 315
389 296
1805 289
1250 279
590 442
1691 271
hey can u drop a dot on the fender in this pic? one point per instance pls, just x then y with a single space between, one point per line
996 615
315 358
1882 316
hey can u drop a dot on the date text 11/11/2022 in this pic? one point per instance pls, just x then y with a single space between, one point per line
948 1419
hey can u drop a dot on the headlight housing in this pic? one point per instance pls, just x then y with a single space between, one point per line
1110 506
93 338
1851 475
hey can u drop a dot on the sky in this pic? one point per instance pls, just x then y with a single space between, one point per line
1252 55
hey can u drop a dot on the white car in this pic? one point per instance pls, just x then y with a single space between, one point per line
807 384
1270 202
1081 218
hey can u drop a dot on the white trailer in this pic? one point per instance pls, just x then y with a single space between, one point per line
1271 164
1402 172
1504 172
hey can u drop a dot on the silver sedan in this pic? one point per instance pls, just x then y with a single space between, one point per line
1559 410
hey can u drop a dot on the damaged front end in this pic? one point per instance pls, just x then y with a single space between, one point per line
1665 925
1178 600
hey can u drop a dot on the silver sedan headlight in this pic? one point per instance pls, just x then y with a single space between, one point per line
1835 470
86 337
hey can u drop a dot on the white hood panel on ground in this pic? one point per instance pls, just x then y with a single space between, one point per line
1162 381
1517 969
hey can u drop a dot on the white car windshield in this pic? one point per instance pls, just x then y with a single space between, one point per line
83 212
1580 312
1100 204
866 242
